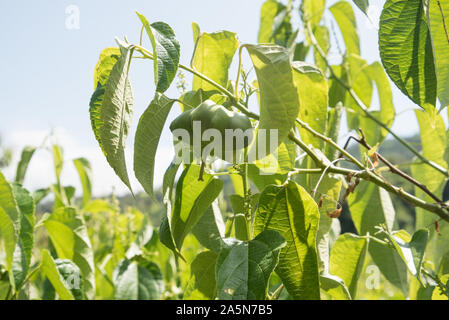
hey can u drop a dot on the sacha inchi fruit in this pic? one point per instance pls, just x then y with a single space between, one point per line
234 129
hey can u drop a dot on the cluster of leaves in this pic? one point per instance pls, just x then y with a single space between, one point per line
280 230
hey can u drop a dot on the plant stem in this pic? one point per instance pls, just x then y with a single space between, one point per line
364 108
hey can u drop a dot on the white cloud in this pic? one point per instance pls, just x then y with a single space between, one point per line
41 173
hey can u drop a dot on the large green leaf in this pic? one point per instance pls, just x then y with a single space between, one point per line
291 211
202 284
9 220
64 275
213 57
192 199
138 281
312 92
406 50
371 206
84 169
108 58
166 52
111 109
24 246
22 166
243 269
279 103
347 260
437 20
147 138
68 234
345 17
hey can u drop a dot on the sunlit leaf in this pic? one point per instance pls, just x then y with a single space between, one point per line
138 281
243 269
213 56
291 211
22 166
166 51
406 50
147 138
84 169
347 259
68 234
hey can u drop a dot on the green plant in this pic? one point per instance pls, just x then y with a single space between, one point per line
278 227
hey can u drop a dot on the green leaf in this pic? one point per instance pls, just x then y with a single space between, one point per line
371 206
169 179
210 229
279 103
166 52
412 250
64 275
40 194
138 281
202 284
143 237
25 241
275 26
268 12
386 114
301 52
363 5
323 38
347 260
111 109
437 20
312 11
25 158
9 221
335 287
406 50
312 92
213 57
108 58
192 199
337 93
345 17
147 139
68 234
243 269
291 211
434 143
82 165
437 293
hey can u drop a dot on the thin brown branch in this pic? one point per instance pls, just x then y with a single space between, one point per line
362 141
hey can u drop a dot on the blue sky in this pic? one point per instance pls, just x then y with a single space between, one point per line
47 71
